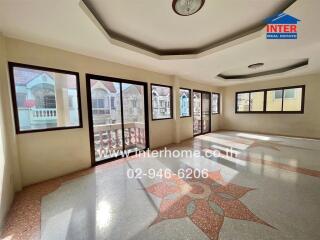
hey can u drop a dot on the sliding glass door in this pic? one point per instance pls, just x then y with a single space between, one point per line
201 113
205 111
117 117
134 118
197 125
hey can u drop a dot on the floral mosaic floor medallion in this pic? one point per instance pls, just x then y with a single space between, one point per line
205 201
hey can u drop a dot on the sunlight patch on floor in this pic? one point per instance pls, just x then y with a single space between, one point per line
253 136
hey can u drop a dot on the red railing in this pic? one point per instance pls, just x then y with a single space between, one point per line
108 138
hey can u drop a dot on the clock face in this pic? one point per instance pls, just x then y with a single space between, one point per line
187 7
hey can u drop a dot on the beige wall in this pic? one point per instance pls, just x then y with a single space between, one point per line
303 125
47 155
6 174
185 125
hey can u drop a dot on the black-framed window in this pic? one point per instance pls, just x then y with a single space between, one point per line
215 103
161 102
185 102
274 100
44 99
243 102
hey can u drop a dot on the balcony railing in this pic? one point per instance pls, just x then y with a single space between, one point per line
42 114
100 111
108 138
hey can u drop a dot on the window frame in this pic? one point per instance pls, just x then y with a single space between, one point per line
190 93
236 103
219 102
90 112
201 112
303 88
11 66
171 102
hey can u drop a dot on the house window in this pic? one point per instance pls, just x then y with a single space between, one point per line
185 103
21 99
279 100
243 100
113 106
134 102
250 102
162 105
277 94
215 103
43 98
97 103
50 101
101 101
71 102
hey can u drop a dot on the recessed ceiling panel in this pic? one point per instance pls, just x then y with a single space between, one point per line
154 26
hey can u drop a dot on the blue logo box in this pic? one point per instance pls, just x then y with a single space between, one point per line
282 35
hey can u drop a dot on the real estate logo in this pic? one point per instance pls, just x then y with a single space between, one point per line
282 26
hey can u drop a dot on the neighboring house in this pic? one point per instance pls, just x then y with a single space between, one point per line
197 104
106 103
196 113
161 102
184 103
133 103
36 93
106 109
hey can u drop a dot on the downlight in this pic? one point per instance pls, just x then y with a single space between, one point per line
256 65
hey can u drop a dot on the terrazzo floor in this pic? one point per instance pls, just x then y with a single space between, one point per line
267 188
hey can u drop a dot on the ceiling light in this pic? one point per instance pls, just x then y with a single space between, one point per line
256 65
187 7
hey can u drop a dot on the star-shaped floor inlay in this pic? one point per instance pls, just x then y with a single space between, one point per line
205 201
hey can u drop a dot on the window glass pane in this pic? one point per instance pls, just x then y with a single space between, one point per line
274 100
256 101
45 99
205 107
161 102
185 103
215 103
197 102
290 93
277 94
292 99
243 102
134 117
107 122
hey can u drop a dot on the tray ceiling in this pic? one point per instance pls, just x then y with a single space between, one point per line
153 26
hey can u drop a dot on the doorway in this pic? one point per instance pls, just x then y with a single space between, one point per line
118 117
201 112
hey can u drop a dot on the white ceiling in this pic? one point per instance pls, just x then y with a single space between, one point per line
154 23
63 24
